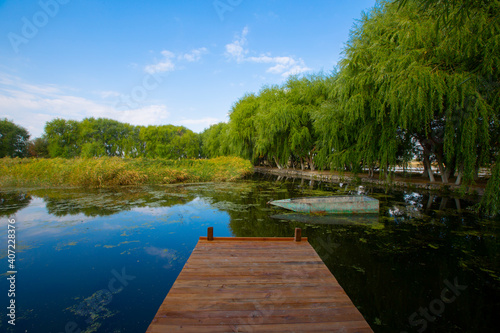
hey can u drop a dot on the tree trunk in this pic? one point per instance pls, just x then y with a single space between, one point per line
429 147
425 173
311 164
445 172
277 163
459 176
428 167
451 169
476 173
386 172
302 164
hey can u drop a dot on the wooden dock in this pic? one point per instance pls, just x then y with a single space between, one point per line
256 285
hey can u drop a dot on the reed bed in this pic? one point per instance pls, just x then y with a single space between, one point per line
115 171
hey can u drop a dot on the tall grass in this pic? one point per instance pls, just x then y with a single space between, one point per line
115 171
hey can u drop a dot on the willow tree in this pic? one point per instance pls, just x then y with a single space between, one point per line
476 25
276 124
412 79
185 144
272 123
450 13
168 141
357 129
214 141
241 127
303 97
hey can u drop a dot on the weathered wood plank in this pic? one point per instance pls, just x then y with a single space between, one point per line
269 239
289 316
347 327
179 304
256 285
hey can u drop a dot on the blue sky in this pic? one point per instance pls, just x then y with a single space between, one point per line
159 61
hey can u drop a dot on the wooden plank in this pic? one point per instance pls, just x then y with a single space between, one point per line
347 327
288 316
180 304
256 285
263 239
256 322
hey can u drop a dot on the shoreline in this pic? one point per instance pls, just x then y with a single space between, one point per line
399 181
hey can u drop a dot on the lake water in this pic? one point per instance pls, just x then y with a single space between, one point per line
104 260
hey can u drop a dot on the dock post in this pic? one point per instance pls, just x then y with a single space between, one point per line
210 233
298 234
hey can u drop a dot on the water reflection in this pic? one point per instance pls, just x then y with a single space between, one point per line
11 202
345 219
71 241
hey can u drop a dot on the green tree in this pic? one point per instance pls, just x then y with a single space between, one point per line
241 130
38 147
14 139
63 138
130 143
169 141
185 144
107 137
417 86
214 141
272 122
452 13
304 97
276 124
93 149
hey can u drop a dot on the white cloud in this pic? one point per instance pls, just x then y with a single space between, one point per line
108 94
165 65
31 106
281 64
197 125
284 66
147 115
195 55
297 69
236 50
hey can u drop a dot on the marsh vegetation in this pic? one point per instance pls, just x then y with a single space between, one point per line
115 171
